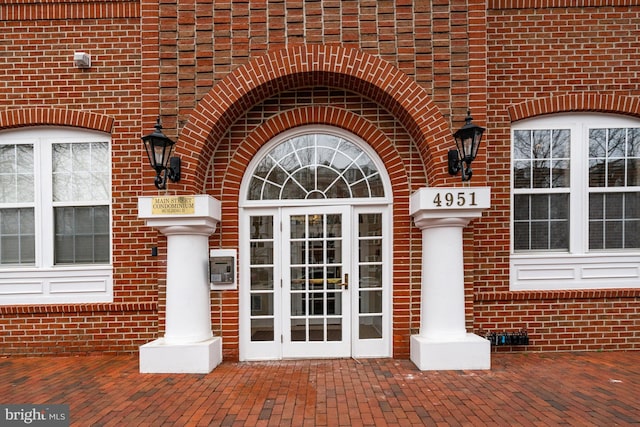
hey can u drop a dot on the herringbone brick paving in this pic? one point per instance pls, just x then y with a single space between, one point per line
576 389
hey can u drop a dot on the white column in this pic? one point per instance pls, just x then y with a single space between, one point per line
188 311
188 345
443 342
442 313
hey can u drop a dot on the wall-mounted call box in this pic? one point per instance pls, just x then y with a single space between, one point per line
222 269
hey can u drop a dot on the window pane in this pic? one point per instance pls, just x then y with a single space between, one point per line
560 174
541 222
262 304
521 207
339 189
541 158
261 227
370 276
375 185
522 145
559 206
334 251
596 235
315 166
597 172
597 143
80 236
79 172
262 329
334 225
369 225
370 302
521 236
370 250
316 226
16 173
613 220
370 327
633 172
613 234
261 252
616 142
522 174
17 236
633 157
613 157
262 278
561 144
632 234
558 235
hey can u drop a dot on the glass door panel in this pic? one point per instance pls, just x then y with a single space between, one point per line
370 269
317 323
261 259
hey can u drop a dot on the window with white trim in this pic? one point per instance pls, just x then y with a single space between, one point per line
55 227
575 202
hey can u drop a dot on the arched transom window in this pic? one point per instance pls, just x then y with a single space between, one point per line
315 166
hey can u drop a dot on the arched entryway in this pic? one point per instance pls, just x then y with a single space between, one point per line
394 117
315 248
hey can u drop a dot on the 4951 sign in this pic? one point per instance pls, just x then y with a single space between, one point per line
446 198
459 198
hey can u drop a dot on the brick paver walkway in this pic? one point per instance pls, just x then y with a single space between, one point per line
599 389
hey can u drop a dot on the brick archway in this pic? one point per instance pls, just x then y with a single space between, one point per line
575 102
20 117
304 66
313 115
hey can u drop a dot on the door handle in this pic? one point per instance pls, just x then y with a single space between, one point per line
345 283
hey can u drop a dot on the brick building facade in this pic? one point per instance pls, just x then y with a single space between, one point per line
395 78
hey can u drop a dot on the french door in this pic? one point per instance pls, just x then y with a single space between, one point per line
315 283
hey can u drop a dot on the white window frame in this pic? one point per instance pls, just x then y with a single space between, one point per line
45 282
577 268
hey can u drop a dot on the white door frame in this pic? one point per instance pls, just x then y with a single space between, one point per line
376 293
275 349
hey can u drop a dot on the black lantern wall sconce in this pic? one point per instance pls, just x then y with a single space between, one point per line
158 147
468 139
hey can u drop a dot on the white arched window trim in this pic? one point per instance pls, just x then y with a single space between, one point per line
310 130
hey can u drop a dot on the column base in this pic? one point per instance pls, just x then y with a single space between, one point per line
157 357
470 352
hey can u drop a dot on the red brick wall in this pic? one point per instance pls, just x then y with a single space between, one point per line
41 86
552 59
439 45
79 328
213 69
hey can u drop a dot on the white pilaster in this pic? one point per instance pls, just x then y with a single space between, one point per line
443 342
188 345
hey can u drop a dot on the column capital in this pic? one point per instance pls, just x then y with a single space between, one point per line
448 206
193 214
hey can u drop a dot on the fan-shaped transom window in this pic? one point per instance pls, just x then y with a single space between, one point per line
315 166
